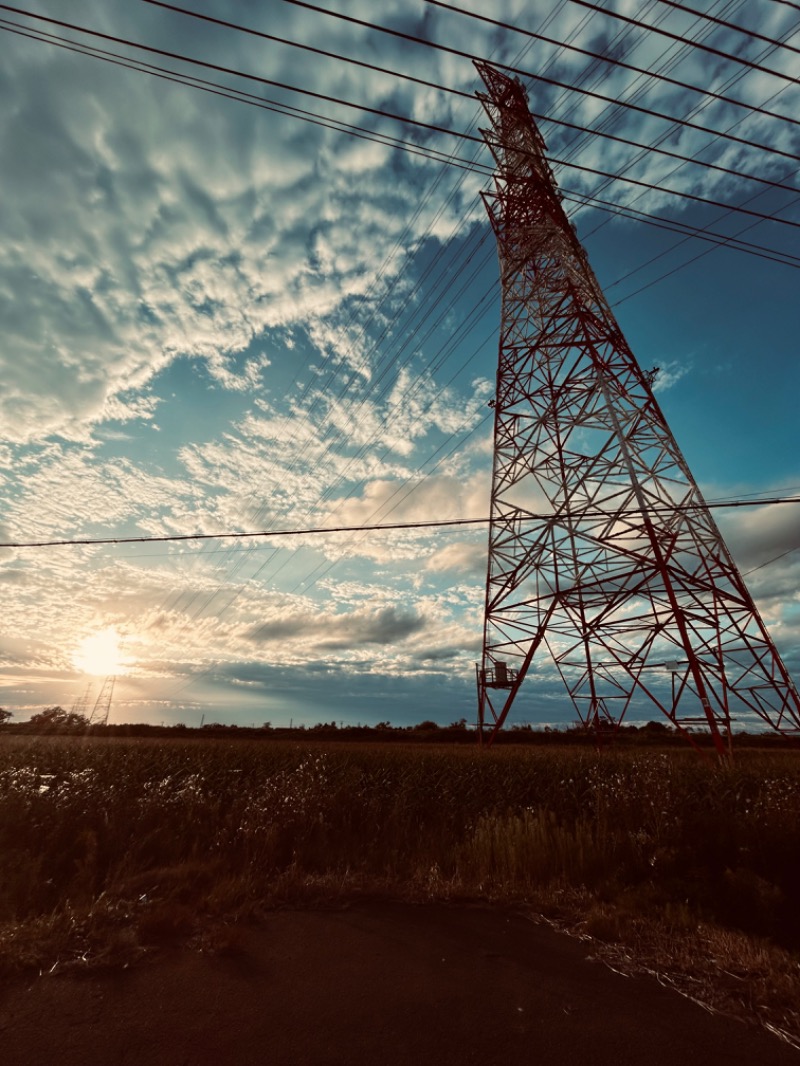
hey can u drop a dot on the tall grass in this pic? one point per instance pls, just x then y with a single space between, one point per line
171 830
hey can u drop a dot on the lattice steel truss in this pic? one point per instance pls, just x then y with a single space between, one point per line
102 705
604 561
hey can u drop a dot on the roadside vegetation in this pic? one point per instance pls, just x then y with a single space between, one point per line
110 847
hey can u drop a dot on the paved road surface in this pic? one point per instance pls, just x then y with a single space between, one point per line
384 984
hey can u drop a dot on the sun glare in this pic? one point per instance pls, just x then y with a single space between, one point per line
100 654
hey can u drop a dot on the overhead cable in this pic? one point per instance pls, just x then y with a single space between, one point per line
611 61
240 96
583 3
382 113
729 56
414 147
361 132
723 22
525 516
462 54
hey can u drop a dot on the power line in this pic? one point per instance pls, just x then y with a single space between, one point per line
615 62
527 516
674 270
461 54
723 22
379 111
433 365
635 214
127 61
240 96
675 192
674 37
178 537
410 146
180 57
234 97
288 109
736 235
774 559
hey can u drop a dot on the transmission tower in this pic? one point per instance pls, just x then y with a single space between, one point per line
82 701
605 565
102 705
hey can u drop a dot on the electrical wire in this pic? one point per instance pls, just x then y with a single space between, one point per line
362 529
694 258
335 101
527 516
363 133
723 22
440 361
382 113
769 562
360 132
616 62
729 56
673 270
430 44
449 51
433 366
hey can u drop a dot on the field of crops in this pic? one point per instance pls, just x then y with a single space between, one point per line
164 831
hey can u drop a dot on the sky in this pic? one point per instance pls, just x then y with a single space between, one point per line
218 317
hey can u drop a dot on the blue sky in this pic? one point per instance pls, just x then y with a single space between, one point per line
219 318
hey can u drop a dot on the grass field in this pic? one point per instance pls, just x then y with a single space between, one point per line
108 846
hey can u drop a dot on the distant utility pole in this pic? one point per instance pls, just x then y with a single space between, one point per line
625 590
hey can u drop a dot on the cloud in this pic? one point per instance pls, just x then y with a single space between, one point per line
218 318
465 557
669 374
332 632
131 243
759 535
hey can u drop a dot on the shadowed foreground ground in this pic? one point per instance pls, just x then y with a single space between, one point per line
381 983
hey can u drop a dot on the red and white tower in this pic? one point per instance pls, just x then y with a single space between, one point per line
605 564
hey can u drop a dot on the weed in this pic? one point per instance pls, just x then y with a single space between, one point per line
111 846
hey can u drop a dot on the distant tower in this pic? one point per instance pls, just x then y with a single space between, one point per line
82 701
605 565
102 705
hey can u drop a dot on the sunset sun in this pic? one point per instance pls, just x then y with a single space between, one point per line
100 654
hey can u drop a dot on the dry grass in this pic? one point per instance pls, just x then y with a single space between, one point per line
113 849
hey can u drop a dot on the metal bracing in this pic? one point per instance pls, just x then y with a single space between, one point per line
102 705
625 589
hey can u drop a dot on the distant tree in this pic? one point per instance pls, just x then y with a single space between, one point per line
427 725
5 715
656 727
460 723
383 725
58 718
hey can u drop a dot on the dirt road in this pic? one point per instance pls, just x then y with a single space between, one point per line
381 983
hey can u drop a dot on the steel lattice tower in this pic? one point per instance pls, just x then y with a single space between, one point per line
102 705
604 559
